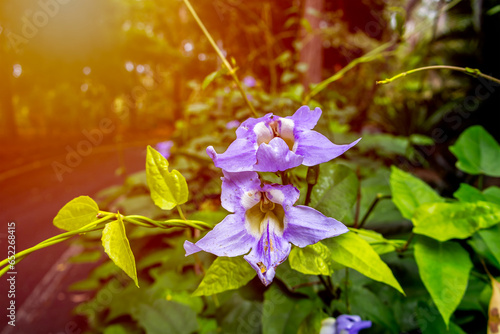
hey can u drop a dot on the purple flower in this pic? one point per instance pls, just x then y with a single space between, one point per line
164 148
272 143
232 124
351 324
249 81
264 222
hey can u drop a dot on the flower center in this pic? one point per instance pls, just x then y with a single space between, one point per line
265 213
282 128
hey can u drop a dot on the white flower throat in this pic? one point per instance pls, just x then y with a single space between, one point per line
265 215
282 128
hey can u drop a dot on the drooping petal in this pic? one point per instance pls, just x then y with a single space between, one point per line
306 226
306 118
239 156
285 195
228 238
240 190
276 156
271 250
316 148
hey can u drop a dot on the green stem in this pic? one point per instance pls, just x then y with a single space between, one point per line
348 307
179 209
98 225
364 59
284 177
372 207
232 71
480 182
466 70
407 244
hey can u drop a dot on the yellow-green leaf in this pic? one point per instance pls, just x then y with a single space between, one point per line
444 221
312 260
116 245
352 251
226 273
409 192
76 214
168 189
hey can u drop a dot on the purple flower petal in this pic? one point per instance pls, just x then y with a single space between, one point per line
352 324
270 251
228 238
276 156
240 190
306 226
164 148
232 124
239 156
316 148
285 196
306 118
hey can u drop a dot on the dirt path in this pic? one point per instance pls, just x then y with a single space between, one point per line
31 196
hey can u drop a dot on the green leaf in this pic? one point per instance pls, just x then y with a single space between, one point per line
209 78
226 273
409 192
491 248
76 214
467 193
477 152
283 314
444 269
430 323
116 245
168 189
444 221
336 190
312 323
371 307
352 251
164 316
380 244
312 260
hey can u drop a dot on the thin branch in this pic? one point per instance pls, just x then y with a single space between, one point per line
467 70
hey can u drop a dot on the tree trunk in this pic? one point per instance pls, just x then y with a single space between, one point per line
311 52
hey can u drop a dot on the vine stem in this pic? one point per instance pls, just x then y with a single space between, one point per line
371 208
466 70
232 71
99 225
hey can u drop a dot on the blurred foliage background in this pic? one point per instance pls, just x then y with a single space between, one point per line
145 65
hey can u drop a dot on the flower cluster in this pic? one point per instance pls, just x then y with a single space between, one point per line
264 221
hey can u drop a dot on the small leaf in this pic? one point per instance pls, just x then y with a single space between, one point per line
409 192
352 251
444 221
444 269
467 193
336 190
209 78
76 214
116 245
168 189
225 273
312 260
477 152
